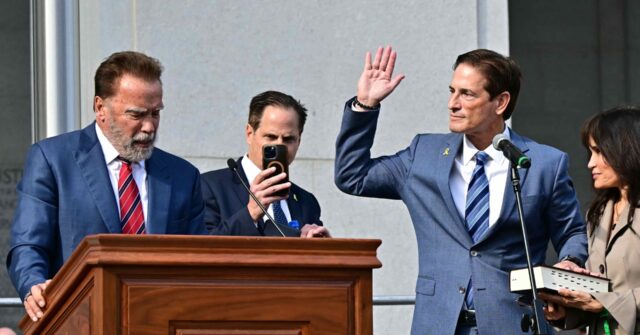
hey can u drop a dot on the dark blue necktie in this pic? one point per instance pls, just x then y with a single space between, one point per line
278 213
477 208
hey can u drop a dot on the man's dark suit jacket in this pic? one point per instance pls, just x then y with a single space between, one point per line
65 194
226 210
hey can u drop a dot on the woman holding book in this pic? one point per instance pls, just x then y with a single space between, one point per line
613 219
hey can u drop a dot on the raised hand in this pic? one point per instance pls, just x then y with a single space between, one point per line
376 81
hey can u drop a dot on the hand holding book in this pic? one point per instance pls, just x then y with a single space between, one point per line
573 299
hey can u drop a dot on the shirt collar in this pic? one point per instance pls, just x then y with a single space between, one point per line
250 169
469 150
109 151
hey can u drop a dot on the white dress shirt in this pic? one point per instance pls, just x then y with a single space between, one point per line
496 169
114 164
251 171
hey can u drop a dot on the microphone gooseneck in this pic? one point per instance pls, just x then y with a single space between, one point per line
233 166
512 152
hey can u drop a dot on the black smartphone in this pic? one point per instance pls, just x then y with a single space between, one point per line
276 155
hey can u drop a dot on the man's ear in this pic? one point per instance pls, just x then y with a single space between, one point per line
503 101
100 108
248 131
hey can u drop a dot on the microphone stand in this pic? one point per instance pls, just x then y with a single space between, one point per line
527 322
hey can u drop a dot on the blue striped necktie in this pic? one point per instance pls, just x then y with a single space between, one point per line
278 213
477 208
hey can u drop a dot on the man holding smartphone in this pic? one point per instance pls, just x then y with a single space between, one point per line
275 125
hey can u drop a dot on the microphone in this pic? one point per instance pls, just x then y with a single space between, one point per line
234 167
517 158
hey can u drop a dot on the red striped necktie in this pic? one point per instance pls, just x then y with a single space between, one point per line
131 216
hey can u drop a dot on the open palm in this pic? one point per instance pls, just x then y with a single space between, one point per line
376 81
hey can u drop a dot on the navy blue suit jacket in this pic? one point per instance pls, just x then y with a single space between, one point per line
65 194
419 176
226 210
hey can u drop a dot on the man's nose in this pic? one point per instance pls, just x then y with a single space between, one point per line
149 125
454 102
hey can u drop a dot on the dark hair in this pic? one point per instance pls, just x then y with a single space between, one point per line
120 63
274 98
502 74
616 132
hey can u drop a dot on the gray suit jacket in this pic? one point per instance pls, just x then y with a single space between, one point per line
419 176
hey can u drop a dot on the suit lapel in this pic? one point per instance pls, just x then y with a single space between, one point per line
447 157
90 160
509 206
295 205
159 181
522 145
599 239
621 226
240 192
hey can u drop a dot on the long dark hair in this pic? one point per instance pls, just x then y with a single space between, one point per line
616 132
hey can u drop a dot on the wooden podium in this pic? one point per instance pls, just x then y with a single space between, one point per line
188 285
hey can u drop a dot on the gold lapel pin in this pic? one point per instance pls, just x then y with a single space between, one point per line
295 197
445 152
